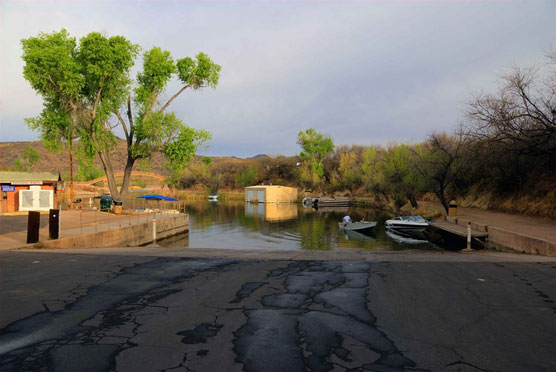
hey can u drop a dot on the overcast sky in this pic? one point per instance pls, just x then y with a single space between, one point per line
363 72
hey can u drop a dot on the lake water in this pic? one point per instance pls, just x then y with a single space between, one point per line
238 225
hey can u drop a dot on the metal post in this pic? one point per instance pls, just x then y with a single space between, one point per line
468 249
154 230
59 220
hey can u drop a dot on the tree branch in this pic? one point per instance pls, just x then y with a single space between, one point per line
130 118
123 125
174 97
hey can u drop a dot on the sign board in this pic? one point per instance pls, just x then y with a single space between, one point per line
26 183
8 188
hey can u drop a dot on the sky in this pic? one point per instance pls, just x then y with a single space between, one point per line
362 72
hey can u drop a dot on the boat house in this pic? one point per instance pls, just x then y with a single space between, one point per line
29 191
270 194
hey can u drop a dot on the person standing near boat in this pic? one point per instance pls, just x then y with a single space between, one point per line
347 219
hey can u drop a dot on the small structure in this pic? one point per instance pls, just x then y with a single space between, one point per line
270 194
29 191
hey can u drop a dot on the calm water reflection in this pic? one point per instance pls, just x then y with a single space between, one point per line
284 226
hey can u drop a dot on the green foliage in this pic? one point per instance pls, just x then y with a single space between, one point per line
53 124
50 64
401 179
199 73
183 147
349 171
203 173
87 171
158 67
30 158
139 183
371 176
86 87
315 147
248 177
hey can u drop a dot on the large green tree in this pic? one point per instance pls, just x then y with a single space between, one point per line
89 85
314 147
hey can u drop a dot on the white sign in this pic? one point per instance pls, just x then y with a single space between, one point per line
27 183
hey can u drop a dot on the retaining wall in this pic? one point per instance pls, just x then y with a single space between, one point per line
507 240
127 236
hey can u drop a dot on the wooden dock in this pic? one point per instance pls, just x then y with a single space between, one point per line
333 202
445 227
457 229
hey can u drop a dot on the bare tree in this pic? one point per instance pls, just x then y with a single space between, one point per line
441 165
521 116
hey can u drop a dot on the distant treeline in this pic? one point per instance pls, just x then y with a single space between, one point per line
502 155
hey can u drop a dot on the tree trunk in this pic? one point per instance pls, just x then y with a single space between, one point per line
443 201
71 172
413 201
109 172
127 176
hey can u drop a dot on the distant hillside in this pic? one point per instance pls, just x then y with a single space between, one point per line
59 162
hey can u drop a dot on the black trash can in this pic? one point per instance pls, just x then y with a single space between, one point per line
105 202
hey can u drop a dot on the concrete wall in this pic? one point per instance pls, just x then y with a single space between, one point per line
129 236
510 241
507 240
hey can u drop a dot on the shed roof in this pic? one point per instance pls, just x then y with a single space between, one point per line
29 176
268 187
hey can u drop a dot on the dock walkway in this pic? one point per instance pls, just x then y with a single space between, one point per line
458 230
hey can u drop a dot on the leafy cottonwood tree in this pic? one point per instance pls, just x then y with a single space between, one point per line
315 147
87 87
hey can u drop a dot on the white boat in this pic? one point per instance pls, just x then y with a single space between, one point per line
213 197
407 223
362 226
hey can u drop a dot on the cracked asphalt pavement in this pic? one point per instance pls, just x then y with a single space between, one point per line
95 312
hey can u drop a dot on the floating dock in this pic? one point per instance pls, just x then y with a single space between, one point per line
453 227
332 202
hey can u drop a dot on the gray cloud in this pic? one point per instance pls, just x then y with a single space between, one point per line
363 72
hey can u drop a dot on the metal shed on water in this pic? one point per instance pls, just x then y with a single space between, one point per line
270 194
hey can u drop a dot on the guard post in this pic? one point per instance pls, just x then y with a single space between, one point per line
468 248
33 226
54 224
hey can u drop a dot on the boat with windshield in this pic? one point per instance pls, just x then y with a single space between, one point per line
407 223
